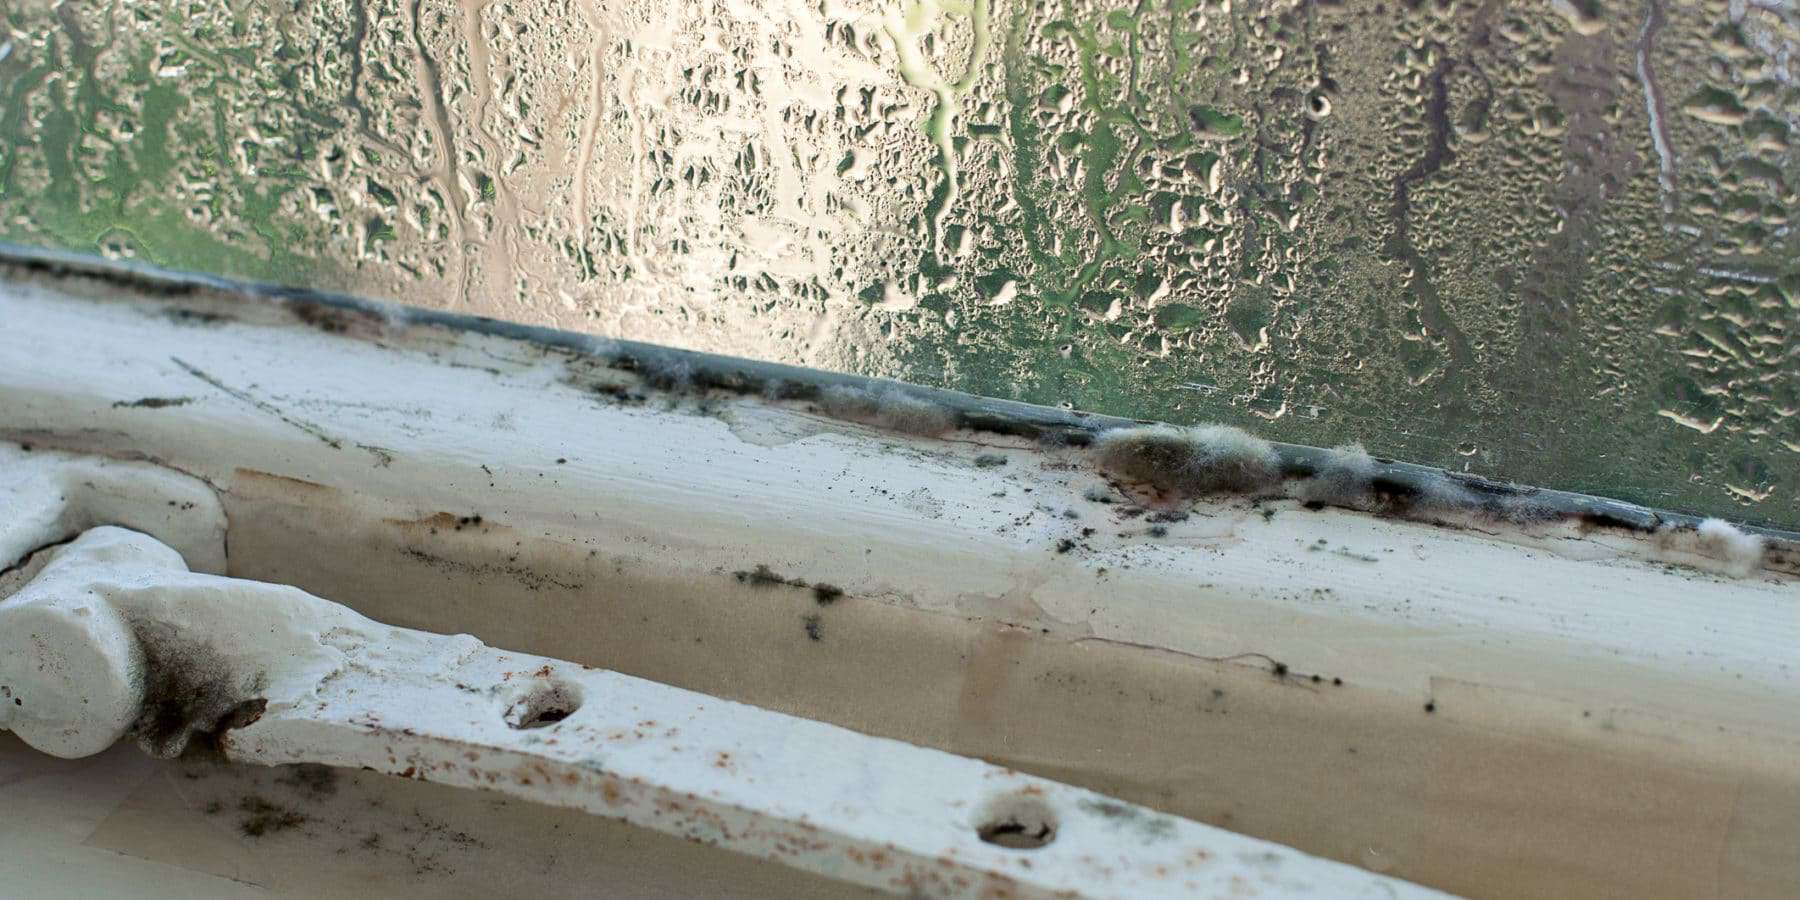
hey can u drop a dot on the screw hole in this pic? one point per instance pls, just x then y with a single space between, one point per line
546 705
1017 822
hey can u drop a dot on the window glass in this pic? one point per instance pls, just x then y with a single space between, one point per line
1546 242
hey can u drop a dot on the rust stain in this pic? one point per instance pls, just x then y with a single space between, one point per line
609 792
985 677
435 520
256 481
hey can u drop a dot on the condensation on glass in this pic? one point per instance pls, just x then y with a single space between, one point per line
1547 242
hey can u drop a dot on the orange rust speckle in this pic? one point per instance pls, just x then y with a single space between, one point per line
722 761
543 672
408 773
1031 790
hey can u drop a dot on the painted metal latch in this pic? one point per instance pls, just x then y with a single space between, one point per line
109 632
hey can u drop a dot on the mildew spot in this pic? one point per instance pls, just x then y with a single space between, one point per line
1344 479
1189 462
1714 544
893 409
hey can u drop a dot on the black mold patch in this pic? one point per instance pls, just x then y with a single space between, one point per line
153 403
191 689
338 319
1603 519
814 628
1151 826
528 576
312 779
827 594
1097 494
197 317
763 576
261 817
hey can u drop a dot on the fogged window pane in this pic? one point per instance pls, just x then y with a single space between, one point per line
1547 242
